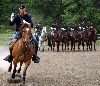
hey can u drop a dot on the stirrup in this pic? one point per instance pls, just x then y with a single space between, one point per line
8 58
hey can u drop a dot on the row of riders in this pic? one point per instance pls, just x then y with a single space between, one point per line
24 47
82 34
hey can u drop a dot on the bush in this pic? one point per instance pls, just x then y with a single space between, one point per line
5 29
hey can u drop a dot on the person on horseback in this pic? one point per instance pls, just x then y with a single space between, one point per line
18 19
74 28
38 28
64 28
82 27
53 28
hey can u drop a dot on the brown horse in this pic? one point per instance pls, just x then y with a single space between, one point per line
23 50
65 40
85 38
57 38
92 37
75 38
51 41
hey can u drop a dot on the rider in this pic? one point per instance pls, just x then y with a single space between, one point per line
54 27
64 28
38 28
74 28
82 28
22 16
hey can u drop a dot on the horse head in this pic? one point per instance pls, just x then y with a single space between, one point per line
26 34
44 30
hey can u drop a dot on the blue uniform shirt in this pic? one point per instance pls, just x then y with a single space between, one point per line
17 20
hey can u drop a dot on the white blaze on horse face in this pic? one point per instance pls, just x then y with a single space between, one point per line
27 29
25 39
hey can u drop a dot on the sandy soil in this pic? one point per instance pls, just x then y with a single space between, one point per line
65 68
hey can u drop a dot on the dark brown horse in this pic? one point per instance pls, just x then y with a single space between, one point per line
75 38
92 37
65 40
51 41
57 38
23 51
85 38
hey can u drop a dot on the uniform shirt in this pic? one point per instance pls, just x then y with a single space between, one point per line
17 20
74 27
64 27
54 26
39 27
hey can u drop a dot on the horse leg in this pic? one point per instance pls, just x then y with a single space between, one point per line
90 45
10 67
87 44
62 46
83 45
39 44
74 47
14 70
43 46
48 48
51 47
71 46
78 45
94 46
18 71
25 69
65 47
57 47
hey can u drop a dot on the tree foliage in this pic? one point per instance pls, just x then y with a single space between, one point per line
49 11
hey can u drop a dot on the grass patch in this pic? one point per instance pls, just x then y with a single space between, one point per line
4 39
98 42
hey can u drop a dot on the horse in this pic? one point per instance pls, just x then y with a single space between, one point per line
65 40
23 51
92 37
51 41
85 38
42 38
57 37
75 38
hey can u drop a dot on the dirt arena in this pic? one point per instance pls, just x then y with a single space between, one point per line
67 68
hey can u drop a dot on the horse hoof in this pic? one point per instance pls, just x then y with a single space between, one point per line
22 83
9 70
43 50
13 76
18 71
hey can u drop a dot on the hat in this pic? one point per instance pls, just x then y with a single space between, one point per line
22 7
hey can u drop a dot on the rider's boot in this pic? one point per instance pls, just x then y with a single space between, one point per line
9 58
35 58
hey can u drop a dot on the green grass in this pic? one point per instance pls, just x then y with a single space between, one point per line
98 42
4 39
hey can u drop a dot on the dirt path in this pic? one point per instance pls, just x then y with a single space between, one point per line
58 69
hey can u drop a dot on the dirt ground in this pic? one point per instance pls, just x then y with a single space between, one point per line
64 68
